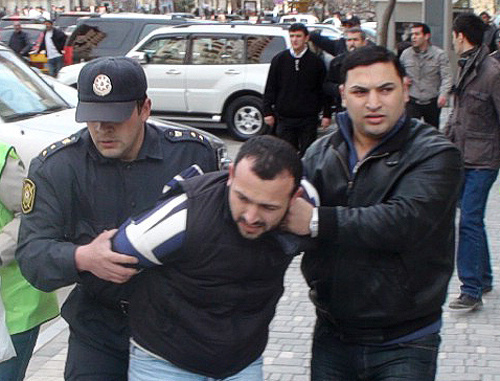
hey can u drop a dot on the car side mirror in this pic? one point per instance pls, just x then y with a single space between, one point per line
141 57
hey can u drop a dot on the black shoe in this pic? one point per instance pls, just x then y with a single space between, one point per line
466 303
487 289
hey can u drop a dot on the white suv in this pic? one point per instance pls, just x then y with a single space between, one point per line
214 71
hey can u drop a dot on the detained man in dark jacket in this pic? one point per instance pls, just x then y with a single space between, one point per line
203 308
474 127
388 187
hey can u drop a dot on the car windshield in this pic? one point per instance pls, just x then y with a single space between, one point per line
22 93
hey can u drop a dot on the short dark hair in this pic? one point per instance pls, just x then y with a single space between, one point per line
356 30
425 27
369 55
298 27
272 156
140 103
471 26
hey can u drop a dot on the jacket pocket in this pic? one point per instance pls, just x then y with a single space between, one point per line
367 291
477 102
479 148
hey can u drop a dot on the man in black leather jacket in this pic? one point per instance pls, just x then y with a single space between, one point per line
388 187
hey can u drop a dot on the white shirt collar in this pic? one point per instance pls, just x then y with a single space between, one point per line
292 52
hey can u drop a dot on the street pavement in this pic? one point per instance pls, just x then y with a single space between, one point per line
470 348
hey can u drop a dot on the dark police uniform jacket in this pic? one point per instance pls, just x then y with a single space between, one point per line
208 309
76 195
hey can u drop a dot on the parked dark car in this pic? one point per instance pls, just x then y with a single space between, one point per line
64 20
111 35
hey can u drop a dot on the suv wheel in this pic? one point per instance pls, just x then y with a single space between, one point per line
244 117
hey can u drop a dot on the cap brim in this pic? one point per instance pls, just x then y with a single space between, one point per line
104 111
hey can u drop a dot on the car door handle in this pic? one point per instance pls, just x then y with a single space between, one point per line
173 71
232 71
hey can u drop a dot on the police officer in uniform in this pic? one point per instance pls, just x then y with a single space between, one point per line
79 190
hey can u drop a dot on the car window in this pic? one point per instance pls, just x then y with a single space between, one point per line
22 92
66 20
166 50
102 35
326 32
262 49
217 51
148 28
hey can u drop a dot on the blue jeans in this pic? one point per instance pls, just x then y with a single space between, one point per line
333 360
473 255
55 64
144 367
24 343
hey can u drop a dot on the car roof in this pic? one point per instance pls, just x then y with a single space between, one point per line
21 18
127 15
40 27
78 13
225 28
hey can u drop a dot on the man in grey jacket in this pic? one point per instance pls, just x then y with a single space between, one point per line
428 69
474 127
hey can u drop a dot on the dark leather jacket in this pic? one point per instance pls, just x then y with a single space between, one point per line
474 125
58 38
386 233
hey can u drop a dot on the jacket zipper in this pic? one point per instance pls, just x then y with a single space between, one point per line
351 178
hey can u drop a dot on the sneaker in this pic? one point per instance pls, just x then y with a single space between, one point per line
465 302
487 289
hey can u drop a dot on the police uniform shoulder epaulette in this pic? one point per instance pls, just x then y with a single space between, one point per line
54 147
174 135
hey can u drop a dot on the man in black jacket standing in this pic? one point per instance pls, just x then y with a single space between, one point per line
294 94
388 187
19 41
53 44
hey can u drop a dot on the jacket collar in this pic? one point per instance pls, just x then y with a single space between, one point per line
342 141
151 148
471 67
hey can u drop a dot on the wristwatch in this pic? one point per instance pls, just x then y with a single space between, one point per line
314 223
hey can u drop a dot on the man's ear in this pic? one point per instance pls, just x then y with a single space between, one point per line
342 93
231 174
406 88
146 110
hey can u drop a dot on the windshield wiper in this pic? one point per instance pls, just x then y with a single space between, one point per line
26 115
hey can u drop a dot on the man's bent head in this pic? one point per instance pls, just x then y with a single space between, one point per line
262 182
